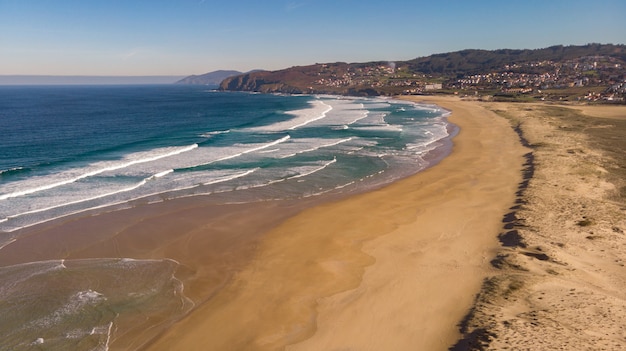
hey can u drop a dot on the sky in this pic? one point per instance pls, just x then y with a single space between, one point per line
184 37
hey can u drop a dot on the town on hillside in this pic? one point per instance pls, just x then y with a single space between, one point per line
590 78
591 73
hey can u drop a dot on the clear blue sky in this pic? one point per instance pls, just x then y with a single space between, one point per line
181 37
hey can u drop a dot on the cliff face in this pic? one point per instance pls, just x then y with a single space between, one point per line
257 81
264 82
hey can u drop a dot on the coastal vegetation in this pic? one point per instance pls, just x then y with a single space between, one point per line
558 275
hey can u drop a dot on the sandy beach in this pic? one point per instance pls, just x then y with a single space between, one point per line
405 275
498 246
395 268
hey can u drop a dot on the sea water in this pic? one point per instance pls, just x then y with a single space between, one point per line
68 149
79 304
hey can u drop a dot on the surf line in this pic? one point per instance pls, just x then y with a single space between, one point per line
323 115
96 172
276 142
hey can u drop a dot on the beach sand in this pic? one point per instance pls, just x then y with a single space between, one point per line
561 283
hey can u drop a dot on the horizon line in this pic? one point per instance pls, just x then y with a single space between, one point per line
47 79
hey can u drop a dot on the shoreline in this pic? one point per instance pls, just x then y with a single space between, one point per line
324 276
430 157
297 272
208 240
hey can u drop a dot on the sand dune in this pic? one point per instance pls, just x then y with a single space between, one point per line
563 285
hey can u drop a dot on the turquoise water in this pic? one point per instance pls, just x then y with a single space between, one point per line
67 149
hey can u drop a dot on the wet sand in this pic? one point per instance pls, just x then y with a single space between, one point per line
210 241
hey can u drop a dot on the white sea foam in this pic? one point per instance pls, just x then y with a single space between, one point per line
214 133
238 175
247 150
434 135
315 170
162 174
345 185
7 242
316 112
143 182
20 273
344 112
196 180
380 128
326 191
360 117
72 307
375 122
95 169
88 296
10 170
108 340
268 151
316 147
273 177
51 218
379 104
327 108
195 184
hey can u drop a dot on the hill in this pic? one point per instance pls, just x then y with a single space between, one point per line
211 78
478 61
594 69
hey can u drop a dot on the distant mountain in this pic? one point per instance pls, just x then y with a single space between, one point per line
211 78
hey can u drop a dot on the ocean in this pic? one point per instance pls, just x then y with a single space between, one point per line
69 149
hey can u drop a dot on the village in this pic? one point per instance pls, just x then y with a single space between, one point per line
594 78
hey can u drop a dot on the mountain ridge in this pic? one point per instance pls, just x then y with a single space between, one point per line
496 71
